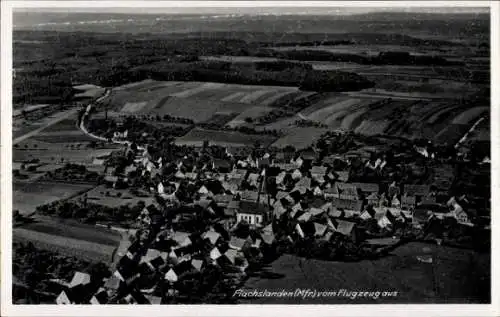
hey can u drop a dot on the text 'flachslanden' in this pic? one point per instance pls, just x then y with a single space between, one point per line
313 293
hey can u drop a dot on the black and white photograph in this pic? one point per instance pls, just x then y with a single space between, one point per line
258 155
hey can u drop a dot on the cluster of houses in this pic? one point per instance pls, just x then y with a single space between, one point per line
315 196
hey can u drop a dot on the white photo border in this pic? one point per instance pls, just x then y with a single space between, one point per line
8 309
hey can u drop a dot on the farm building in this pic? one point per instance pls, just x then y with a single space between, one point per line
252 213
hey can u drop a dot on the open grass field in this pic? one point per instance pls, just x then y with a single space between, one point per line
88 233
98 196
469 115
250 113
73 247
454 276
63 153
197 136
300 137
26 197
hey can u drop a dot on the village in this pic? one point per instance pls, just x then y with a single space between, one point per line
220 213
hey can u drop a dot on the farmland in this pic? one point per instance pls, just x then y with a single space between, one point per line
198 101
27 197
300 138
110 197
453 277
197 136
65 245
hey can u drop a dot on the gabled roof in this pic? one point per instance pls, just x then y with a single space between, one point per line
231 255
182 238
319 229
79 279
304 182
334 212
268 238
197 264
215 253
345 227
316 211
171 276
416 190
237 243
347 204
306 216
234 204
150 255
319 170
113 282
253 208
367 187
153 300
372 196
213 236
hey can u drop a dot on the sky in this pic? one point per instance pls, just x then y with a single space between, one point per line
260 10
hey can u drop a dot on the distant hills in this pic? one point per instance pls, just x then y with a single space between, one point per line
425 25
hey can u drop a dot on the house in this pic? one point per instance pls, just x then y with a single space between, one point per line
341 176
318 171
231 185
221 165
367 188
203 190
408 202
303 185
347 228
298 162
114 282
296 174
309 155
268 238
63 298
372 199
383 201
232 208
212 236
393 190
416 190
171 276
231 255
253 179
320 229
285 166
382 220
191 176
331 192
306 216
223 200
79 279
395 203
239 244
153 300
180 175
237 174
152 254
347 189
365 215
299 230
278 209
197 264
280 178
316 211
100 298
215 254
181 238
347 204
252 213
334 212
